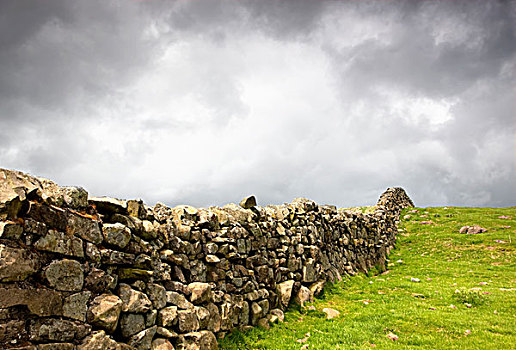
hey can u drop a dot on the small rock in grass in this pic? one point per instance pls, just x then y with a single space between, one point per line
392 336
414 279
467 332
330 313
504 217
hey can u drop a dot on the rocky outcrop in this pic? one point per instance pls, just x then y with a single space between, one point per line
104 273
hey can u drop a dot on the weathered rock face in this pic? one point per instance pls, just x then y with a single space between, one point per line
102 273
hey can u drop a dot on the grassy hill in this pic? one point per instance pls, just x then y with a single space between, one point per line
442 290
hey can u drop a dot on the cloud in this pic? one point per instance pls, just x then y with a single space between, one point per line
203 102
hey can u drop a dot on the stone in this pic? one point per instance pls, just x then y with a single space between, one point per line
167 333
157 294
203 340
187 320
55 330
473 230
212 259
98 340
74 197
330 313
279 314
10 230
284 290
317 287
40 302
117 235
214 321
66 275
60 242
130 324
99 281
179 300
143 340
136 208
161 344
16 264
76 305
256 313
248 202
104 311
107 205
167 316
303 295
83 226
309 273
12 331
56 346
151 317
199 292
133 300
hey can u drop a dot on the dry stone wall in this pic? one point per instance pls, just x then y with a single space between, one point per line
86 273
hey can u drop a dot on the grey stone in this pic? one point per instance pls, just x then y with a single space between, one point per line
16 264
284 290
130 324
83 226
10 230
56 346
55 330
60 242
157 294
116 234
66 275
76 305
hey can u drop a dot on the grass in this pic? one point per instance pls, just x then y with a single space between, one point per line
465 297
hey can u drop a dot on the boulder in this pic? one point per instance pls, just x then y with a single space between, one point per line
188 320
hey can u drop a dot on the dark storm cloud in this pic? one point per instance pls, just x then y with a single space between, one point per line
206 101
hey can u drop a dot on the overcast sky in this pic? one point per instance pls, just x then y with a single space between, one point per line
202 102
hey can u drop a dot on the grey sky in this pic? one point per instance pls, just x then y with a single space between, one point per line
203 102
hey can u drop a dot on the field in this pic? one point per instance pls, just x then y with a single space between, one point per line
442 290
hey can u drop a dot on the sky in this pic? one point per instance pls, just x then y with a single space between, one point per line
203 102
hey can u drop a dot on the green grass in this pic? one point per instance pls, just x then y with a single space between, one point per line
419 313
